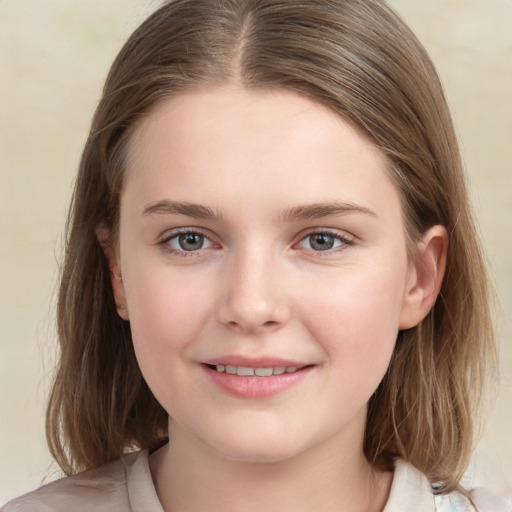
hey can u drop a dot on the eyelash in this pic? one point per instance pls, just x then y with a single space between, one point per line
165 242
346 241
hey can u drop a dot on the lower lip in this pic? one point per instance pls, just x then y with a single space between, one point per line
256 387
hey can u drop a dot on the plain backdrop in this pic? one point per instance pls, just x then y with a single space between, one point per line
54 55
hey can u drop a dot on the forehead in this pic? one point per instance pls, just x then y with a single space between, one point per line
261 148
243 116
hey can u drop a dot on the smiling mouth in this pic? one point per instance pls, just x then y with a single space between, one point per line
246 371
264 380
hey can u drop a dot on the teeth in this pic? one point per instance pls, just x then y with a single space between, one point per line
245 371
263 372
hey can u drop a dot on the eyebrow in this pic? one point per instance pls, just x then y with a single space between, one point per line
196 211
296 213
319 210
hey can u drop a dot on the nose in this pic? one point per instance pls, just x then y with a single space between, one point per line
253 294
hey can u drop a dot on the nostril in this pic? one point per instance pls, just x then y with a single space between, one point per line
251 315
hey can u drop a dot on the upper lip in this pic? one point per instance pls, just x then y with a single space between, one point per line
258 362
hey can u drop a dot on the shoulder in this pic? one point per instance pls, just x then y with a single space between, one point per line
102 489
411 490
486 501
481 500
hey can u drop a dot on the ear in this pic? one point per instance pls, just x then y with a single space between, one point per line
105 240
426 277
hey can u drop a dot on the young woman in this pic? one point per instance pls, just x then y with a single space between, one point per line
273 295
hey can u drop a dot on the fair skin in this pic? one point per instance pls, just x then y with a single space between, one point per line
292 262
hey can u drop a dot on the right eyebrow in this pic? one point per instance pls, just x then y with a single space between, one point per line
197 211
326 209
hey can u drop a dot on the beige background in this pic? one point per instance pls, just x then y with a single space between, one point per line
54 55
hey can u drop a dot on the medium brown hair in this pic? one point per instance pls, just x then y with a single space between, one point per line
358 58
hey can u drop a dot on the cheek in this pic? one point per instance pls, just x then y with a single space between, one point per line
167 313
166 316
357 321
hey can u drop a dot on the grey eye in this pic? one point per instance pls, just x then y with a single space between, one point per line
321 241
187 241
190 241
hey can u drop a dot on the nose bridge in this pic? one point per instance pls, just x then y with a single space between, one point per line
254 296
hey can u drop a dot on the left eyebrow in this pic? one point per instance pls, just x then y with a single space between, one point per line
194 210
319 210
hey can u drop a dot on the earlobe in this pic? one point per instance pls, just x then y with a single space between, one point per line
426 277
116 279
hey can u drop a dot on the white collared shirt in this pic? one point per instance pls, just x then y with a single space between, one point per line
126 486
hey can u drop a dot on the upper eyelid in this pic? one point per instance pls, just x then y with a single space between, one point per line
342 234
171 233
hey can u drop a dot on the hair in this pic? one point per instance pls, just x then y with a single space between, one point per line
359 59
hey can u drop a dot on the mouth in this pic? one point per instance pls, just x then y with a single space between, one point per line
247 371
261 380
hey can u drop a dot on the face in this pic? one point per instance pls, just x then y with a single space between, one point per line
264 270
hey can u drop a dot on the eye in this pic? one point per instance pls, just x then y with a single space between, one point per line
324 241
186 241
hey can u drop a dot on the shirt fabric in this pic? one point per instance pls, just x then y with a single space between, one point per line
126 486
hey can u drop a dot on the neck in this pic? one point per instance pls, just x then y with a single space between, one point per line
195 478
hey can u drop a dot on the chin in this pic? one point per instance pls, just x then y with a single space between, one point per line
254 448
